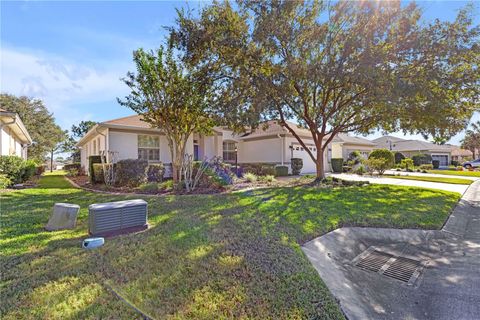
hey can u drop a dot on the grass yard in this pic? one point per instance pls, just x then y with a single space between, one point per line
433 179
457 173
205 256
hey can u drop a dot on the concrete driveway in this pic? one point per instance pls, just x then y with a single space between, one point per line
460 188
405 274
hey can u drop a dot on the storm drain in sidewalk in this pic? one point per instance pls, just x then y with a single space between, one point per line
399 268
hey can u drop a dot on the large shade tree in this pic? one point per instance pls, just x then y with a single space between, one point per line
171 96
39 122
336 66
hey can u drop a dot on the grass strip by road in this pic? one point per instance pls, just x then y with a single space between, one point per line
432 179
222 256
457 173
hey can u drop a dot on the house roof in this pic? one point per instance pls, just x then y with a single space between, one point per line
345 138
13 121
399 144
133 122
457 151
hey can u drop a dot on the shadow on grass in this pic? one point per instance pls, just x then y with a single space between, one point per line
211 256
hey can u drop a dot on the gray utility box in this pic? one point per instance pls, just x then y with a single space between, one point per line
119 217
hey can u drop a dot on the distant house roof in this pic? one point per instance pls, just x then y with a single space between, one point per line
345 138
399 144
459 152
13 121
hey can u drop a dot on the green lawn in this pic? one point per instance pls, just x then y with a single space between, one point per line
433 179
457 173
205 256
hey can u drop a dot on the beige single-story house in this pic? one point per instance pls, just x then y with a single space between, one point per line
408 148
14 137
132 138
346 144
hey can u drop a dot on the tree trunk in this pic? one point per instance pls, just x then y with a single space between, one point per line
320 164
51 161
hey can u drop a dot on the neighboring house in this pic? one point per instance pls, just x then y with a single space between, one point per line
347 144
14 137
461 155
408 148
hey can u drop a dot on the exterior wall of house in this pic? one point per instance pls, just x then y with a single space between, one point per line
10 144
349 148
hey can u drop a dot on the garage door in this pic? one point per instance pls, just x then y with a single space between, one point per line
308 164
443 159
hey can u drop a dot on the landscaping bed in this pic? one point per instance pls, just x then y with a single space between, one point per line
229 255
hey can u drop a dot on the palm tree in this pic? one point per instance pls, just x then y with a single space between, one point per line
472 138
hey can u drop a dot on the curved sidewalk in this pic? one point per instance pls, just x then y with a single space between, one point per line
444 288
460 188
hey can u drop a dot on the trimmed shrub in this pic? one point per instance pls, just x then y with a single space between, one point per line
72 166
155 172
426 166
150 187
436 164
420 158
250 177
96 175
268 170
384 154
13 168
5 182
91 161
29 169
377 164
337 164
399 157
455 163
131 172
281 171
297 165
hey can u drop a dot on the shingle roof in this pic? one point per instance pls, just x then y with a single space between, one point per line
354 140
272 127
398 144
130 121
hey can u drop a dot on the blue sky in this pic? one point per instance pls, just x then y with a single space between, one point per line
73 54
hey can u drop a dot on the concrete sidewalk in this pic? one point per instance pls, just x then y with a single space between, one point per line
446 281
420 174
460 188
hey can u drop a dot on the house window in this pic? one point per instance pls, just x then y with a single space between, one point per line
149 147
229 153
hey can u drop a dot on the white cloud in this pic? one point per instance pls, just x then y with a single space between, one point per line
59 82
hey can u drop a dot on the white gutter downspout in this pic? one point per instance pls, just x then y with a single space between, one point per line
282 141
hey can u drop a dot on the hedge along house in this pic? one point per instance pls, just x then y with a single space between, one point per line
132 138
14 137
409 148
346 144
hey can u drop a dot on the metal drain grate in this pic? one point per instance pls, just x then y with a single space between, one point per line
374 261
399 268
402 269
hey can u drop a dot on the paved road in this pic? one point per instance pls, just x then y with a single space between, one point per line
448 286
460 188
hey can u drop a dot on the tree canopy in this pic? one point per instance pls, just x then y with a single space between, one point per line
472 139
39 122
335 67
78 131
170 96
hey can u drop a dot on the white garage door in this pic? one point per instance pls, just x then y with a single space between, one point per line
308 164
443 159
